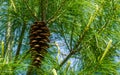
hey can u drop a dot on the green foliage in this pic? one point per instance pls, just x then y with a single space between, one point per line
84 38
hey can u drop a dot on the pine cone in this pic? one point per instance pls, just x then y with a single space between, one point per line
39 34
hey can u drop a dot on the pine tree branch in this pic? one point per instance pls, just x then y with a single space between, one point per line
76 47
53 17
69 55
20 41
64 37
71 37
8 40
104 26
43 10
32 13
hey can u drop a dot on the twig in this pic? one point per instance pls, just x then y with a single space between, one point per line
43 10
69 55
65 38
71 37
31 10
20 42
104 26
57 11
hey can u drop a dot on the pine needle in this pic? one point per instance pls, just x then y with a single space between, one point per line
106 50
54 72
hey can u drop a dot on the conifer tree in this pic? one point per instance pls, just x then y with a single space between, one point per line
59 37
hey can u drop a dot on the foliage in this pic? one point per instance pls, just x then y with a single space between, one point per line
84 37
